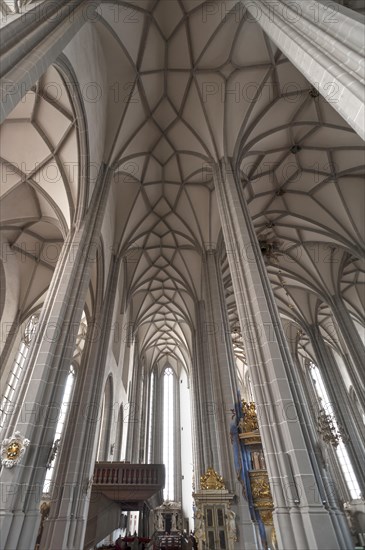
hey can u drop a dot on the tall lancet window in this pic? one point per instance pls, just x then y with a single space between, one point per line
63 410
334 432
169 432
16 374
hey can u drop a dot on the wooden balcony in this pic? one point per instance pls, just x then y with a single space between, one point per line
130 484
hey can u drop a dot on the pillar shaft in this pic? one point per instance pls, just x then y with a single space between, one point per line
144 418
32 42
221 365
225 390
325 43
301 520
135 413
307 419
49 362
66 525
158 421
208 405
152 419
340 401
197 423
177 441
353 343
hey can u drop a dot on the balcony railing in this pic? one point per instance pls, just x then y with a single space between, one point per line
129 483
121 473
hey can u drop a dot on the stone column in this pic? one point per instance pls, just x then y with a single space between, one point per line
136 407
307 419
32 42
147 398
157 457
66 525
177 441
49 361
340 402
353 343
326 43
152 419
204 384
144 408
134 417
225 387
197 425
300 518
331 472
222 365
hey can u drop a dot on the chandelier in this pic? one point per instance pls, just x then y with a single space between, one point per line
328 429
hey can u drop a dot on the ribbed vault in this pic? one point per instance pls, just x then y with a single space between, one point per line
191 82
40 169
43 175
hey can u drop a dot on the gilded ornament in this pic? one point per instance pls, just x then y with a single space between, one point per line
211 480
266 516
12 450
249 421
260 486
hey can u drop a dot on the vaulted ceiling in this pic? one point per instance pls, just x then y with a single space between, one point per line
39 187
189 82
193 81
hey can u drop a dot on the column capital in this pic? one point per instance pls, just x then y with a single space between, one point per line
210 248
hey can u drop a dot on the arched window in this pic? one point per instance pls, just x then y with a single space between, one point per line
12 385
169 431
57 442
341 451
65 406
248 387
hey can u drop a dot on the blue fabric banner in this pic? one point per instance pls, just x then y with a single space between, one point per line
242 463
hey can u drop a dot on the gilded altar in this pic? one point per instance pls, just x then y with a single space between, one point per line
249 434
214 519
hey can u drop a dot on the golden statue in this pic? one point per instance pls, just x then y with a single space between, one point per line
249 421
260 488
211 480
